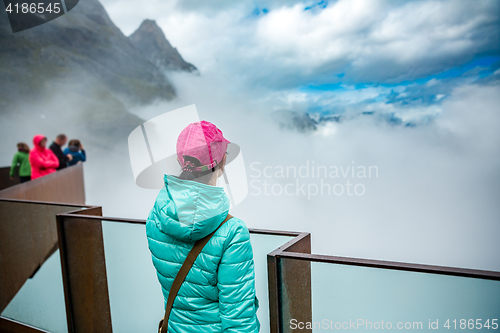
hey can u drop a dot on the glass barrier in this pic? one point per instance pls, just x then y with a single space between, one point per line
40 302
29 239
262 245
135 294
368 299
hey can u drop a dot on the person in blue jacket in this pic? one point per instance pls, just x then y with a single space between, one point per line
75 149
218 294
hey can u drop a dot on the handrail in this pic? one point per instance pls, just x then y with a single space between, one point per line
285 251
142 221
400 266
52 203
297 272
65 186
85 219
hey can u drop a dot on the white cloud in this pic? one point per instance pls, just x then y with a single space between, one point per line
365 39
434 201
439 96
473 118
380 42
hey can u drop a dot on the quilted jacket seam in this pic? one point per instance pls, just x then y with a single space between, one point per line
180 264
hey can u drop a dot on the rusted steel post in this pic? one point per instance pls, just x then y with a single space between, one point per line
84 273
289 283
296 285
273 286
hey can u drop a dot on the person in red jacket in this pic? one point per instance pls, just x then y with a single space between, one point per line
43 161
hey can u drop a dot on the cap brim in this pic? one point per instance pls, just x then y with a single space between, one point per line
233 150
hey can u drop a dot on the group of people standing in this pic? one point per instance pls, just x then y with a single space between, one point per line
41 161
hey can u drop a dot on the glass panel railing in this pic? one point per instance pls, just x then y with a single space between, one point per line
135 294
40 302
262 244
28 240
366 299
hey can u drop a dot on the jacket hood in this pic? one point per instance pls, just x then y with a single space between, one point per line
36 140
189 210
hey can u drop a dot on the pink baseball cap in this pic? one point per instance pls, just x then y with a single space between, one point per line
204 141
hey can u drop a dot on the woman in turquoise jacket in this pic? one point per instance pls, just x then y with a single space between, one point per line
218 294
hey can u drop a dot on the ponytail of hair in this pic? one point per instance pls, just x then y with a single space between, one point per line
198 176
187 175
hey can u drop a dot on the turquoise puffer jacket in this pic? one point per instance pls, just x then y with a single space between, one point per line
218 294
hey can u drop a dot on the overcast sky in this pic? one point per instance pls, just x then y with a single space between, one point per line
332 56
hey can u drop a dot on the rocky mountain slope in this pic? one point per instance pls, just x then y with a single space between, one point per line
79 75
150 40
85 45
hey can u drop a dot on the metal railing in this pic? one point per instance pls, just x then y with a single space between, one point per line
28 228
5 180
80 242
290 293
291 299
92 310
64 186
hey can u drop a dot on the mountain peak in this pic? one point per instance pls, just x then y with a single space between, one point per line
150 40
150 26
83 43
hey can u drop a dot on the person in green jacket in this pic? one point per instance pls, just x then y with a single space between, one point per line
218 294
21 160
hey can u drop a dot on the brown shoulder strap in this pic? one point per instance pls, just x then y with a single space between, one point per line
183 272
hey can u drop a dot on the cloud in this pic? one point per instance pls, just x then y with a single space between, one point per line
377 40
398 58
362 41
434 199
